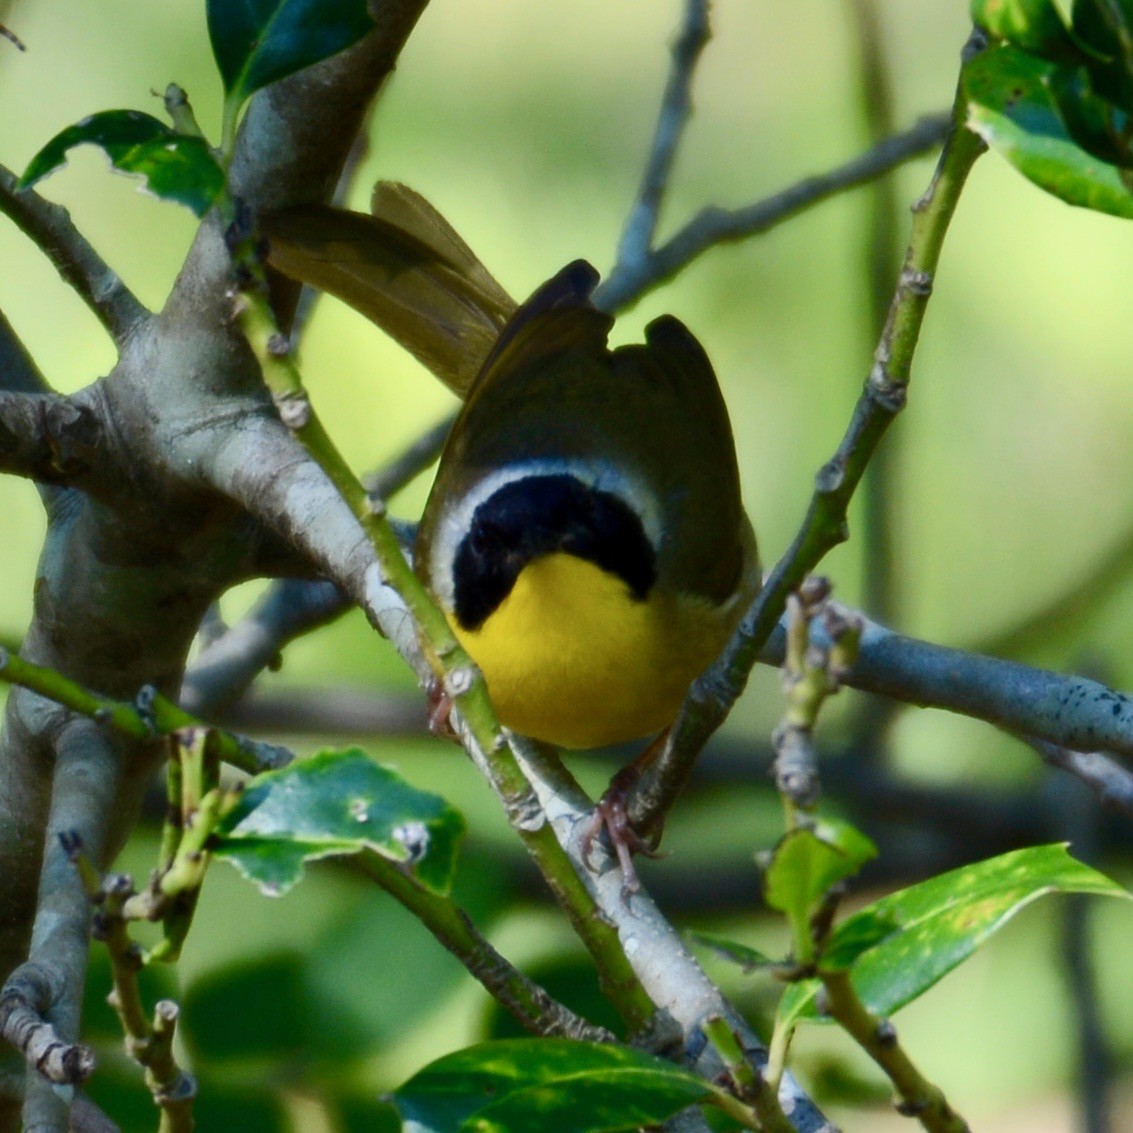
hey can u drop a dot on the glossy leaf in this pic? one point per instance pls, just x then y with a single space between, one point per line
898 947
1105 29
1097 125
176 167
337 802
1033 25
809 860
531 1085
256 42
1011 107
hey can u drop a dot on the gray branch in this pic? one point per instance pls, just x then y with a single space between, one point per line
49 438
676 108
712 226
49 226
24 1002
1075 712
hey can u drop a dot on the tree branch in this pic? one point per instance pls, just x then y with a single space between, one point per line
84 786
49 438
18 372
824 526
669 973
227 665
1112 783
1072 711
24 1002
714 226
49 226
676 107
292 607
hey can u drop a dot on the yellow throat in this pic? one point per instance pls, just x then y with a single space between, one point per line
570 656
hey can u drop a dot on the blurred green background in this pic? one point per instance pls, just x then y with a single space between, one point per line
527 126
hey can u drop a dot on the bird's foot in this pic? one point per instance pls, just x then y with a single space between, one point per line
440 706
609 814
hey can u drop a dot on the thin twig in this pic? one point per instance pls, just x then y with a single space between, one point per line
824 526
530 1004
676 106
150 715
714 226
1112 783
49 226
12 38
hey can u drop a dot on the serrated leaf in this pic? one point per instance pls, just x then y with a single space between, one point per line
1033 25
936 925
256 42
337 802
531 1085
176 167
749 959
1011 107
807 861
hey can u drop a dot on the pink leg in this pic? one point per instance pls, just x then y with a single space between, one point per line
609 814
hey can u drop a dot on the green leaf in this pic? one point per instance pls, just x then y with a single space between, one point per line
531 1085
256 42
176 167
1105 29
1013 110
805 864
337 802
1035 26
898 947
749 959
1095 124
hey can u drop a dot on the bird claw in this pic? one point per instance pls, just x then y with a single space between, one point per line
609 814
440 706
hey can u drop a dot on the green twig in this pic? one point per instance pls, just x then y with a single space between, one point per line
149 1045
824 526
881 254
917 1097
180 112
529 1003
151 714
749 1085
458 677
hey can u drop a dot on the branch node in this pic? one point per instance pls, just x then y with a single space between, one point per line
830 477
294 408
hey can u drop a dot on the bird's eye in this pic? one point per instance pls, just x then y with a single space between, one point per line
484 535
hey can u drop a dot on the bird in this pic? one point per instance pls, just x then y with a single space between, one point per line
585 535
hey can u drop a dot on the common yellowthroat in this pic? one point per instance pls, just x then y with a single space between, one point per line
585 534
